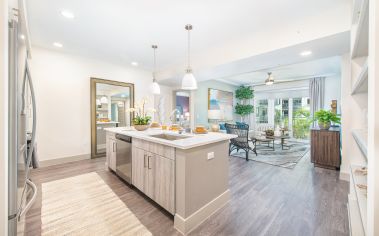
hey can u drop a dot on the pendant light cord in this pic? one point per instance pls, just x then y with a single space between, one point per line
189 49
155 62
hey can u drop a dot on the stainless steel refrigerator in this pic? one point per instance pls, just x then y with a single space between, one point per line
22 123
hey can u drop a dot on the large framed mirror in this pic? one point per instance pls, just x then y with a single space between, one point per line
109 103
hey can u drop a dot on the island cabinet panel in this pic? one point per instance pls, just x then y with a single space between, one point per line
138 168
156 148
165 182
111 151
150 175
154 175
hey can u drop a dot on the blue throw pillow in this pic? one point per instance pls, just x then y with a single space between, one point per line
222 126
240 124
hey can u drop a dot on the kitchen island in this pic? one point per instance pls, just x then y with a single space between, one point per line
186 174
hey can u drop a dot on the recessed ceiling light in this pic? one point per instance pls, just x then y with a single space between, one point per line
58 45
305 53
22 36
67 14
134 63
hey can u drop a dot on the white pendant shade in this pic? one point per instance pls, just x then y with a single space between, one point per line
155 89
189 82
104 100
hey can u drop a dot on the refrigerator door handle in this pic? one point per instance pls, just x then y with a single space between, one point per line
32 199
28 77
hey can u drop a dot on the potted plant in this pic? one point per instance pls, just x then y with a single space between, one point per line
324 119
141 120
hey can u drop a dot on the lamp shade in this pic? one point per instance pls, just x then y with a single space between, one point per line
214 114
155 89
189 82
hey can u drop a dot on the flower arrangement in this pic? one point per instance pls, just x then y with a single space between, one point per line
141 118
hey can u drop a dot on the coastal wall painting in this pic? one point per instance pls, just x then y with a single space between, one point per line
223 101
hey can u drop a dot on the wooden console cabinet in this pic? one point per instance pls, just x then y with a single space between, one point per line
325 148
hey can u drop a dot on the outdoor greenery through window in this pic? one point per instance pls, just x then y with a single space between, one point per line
262 109
281 112
301 118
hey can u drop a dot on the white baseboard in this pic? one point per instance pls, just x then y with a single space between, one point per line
185 226
64 160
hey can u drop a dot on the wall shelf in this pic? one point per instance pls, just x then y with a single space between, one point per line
360 137
360 194
359 29
361 83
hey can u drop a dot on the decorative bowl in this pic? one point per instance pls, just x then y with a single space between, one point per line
141 127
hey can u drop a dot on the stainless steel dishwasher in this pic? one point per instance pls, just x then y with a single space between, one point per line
124 157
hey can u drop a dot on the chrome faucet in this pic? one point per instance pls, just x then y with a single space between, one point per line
173 115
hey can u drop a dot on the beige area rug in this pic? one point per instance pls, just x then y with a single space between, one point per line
85 205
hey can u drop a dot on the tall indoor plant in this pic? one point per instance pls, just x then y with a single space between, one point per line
324 118
244 94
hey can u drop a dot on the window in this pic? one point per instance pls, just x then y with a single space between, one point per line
300 118
261 111
281 112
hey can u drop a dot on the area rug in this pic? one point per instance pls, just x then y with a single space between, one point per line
85 205
283 158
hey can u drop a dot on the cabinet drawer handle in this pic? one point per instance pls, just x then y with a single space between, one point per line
148 162
144 160
113 146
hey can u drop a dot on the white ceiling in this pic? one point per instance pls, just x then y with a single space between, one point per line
322 67
123 31
286 63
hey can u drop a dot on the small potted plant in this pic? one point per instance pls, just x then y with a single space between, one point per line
141 120
324 119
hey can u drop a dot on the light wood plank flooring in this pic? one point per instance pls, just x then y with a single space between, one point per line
266 200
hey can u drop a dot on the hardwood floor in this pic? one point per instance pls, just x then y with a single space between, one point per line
266 200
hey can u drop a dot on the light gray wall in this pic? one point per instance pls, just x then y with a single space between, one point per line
200 99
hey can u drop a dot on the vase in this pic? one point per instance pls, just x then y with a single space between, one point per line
141 127
324 125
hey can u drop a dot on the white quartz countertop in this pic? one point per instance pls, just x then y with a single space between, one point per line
107 122
193 140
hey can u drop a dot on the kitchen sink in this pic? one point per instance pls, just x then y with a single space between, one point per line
170 137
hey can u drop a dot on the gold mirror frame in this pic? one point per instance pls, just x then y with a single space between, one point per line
94 81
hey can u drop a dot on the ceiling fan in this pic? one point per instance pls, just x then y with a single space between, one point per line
270 79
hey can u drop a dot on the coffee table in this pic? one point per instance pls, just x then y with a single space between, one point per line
264 139
269 139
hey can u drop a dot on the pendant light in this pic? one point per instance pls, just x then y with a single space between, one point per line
189 82
104 100
155 89
270 79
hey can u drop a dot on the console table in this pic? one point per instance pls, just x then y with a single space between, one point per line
325 148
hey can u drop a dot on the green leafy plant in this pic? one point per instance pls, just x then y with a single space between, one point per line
141 116
323 116
244 110
244 92
301 123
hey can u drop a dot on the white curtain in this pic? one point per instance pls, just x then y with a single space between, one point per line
316 94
